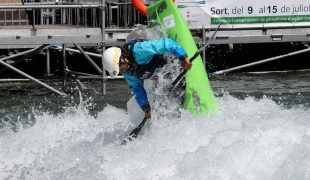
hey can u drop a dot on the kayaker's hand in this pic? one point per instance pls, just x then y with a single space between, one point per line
148 113
187 64
147 110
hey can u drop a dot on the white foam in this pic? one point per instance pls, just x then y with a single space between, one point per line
249 139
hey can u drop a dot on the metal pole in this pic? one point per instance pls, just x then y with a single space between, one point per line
69 16
258 62
48 65
42 15
31 78
19 17
64 64
118 14
47 19
4 11
85 17
63 15
19 54
93 17
103 45
134 17
33 17
12 17
53 16
77 15
203 43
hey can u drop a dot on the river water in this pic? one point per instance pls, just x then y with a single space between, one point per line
261 131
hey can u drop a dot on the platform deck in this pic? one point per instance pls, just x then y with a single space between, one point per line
25 36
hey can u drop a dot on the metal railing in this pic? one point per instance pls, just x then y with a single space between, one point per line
118 13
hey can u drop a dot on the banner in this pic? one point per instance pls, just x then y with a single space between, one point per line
245 13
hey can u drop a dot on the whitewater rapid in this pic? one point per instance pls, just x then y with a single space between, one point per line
246 139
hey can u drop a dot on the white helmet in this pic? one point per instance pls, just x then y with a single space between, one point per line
110 62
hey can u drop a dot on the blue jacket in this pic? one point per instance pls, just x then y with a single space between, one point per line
143 53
